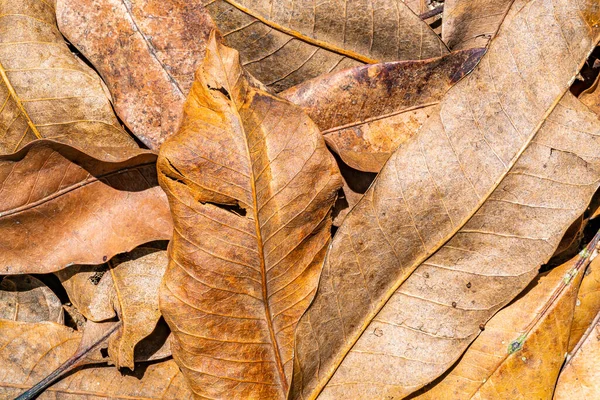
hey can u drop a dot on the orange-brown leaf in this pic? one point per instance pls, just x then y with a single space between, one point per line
366 112
60 206
251 185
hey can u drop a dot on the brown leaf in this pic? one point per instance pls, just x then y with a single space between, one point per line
148 59
26 298
483 194
60 206
285 43
521 350
580 377
90 289
136 277
46 91
29 352
128 287
251 185
364 130
472 23
588 303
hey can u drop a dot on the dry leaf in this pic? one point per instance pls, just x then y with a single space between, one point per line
284 43
521 350
60 206
580 377
29 352
127 287
472 23
588 303
480 195
27 299
148 59
136 277
46 91
251 185
90 290
364 130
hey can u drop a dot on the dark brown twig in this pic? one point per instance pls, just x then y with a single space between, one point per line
432 13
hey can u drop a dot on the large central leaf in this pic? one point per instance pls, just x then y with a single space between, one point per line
251 185
476 201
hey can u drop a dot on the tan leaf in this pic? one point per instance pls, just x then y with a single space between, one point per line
29 352
588 303
128 287
60 206
472 23
26 298
521 350
90 289
136 277
364 130
483 194
580 377
46 91
354 187
251 185
148 59
284 43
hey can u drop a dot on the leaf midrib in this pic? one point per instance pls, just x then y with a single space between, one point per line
259 240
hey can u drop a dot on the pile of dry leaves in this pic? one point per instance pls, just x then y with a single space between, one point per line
278 199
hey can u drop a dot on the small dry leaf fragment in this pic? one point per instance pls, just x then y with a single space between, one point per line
588 303
25 298
284 43
580 377
472 23
136 277
29 352
482 194
251 185
361 127
90 290
60 206
45 90
536 327
146 51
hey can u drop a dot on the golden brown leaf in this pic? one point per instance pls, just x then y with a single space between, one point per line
472 23
283 43
148 59
461 216
588 303
580 377
26 298
29 352
521 350
361 127
251 185
60 206
46 91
